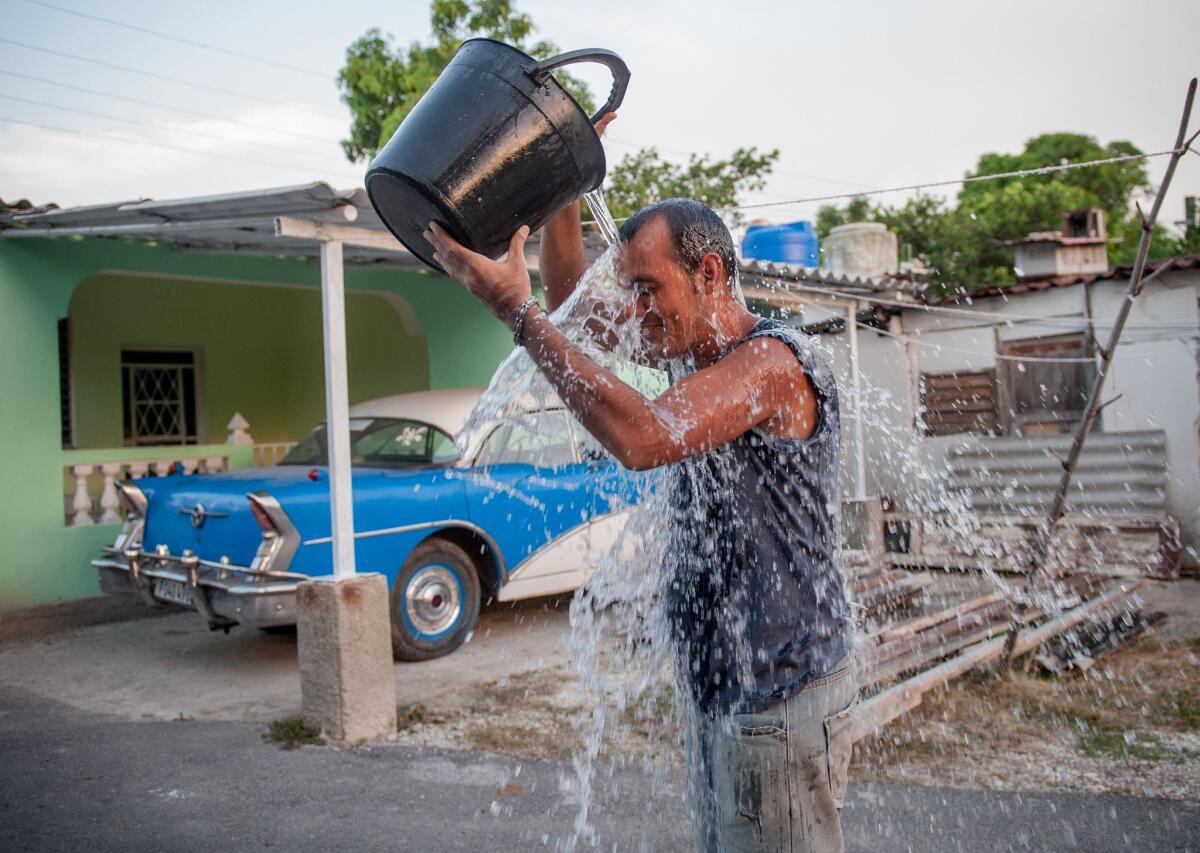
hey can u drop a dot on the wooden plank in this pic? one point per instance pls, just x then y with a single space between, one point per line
909 628
882 708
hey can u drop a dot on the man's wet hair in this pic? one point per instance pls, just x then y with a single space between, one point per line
695 230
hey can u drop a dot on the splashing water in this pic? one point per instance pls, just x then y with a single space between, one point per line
621 644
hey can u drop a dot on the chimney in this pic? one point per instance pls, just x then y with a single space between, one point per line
1080 248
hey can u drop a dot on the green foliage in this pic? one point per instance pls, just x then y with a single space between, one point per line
382 81
955 242
645 177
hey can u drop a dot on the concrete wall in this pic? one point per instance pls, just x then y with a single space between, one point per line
41 560
1157 371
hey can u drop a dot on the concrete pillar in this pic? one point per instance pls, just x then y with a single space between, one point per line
862 523
344 641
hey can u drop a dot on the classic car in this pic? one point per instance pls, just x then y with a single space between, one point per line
519 513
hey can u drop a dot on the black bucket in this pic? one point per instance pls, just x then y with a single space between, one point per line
496 143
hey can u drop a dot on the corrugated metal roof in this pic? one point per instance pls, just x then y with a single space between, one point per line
231 223
1179 262
764 273
242 223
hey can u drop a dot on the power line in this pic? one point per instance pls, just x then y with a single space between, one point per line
1020 173
157 34
161 105
153 75
190 132
132 141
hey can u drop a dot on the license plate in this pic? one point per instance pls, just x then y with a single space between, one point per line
172 591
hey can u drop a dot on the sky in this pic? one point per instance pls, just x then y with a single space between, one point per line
855 96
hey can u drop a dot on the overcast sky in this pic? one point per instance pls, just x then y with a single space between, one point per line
855 95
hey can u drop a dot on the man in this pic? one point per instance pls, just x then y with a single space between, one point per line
757 605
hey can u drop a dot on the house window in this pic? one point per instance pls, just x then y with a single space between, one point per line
66 419
158 395
1047 396
959 402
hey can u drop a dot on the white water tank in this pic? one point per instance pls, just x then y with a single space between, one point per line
861 249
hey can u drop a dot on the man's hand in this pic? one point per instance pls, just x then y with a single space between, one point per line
500 285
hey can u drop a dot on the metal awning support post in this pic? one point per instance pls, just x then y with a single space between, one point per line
343 631
337 408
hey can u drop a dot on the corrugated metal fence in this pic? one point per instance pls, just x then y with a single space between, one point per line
1120 474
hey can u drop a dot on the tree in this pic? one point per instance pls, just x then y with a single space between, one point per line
382 81
645 177
956 243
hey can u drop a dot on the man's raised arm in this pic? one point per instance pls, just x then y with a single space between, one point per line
563 260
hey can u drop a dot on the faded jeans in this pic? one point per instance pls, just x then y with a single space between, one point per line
774 782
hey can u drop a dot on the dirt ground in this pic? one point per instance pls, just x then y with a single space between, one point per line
1129 725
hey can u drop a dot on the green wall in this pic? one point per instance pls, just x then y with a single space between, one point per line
258 352
42 560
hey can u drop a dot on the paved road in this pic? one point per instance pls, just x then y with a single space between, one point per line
74 780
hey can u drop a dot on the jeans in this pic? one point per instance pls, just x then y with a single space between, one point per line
774 781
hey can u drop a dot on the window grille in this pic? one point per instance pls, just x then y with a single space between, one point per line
158 391
66 417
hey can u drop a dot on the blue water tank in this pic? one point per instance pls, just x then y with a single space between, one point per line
790 243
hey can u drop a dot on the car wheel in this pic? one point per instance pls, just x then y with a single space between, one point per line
435 601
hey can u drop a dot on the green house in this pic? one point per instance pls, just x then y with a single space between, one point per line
142 335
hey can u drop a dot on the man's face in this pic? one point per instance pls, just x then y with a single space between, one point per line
670 304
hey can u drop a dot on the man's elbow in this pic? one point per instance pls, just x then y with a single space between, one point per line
639 458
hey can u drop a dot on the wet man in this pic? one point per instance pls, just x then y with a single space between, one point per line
757 604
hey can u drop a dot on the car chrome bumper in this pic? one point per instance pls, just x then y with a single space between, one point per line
224 594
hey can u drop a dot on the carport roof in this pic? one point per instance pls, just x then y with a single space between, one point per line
241 223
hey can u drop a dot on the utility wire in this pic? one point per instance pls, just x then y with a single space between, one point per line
153 75
1020 173
132 141
162 105
157 34
156 126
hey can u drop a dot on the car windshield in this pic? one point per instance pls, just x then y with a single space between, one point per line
380 443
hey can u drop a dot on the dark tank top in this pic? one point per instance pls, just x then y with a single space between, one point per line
757 603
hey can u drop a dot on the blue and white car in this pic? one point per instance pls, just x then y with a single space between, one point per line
520 513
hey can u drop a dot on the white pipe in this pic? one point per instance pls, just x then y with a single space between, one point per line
860 462
337 409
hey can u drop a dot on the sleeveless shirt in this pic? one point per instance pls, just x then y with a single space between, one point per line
756 601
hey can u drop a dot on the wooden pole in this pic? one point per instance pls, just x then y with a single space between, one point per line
1045 531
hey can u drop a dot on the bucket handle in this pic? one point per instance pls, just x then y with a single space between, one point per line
615 64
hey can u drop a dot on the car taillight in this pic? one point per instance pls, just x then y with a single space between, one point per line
132 499
260 515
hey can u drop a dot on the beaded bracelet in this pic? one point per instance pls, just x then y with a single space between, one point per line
519 319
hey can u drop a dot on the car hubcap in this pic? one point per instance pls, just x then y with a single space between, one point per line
433 600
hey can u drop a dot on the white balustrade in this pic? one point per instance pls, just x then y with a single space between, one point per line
82 504
269 453
109 502
91 488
